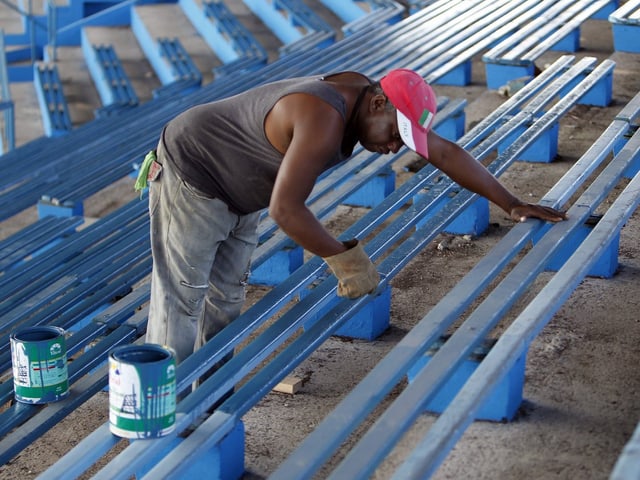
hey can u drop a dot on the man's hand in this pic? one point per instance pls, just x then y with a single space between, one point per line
521 212
357 275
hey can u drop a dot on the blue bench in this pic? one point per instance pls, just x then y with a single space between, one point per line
78 275
185 76
53 105
501 369
442 38
558 27
625 24
109 77
437 208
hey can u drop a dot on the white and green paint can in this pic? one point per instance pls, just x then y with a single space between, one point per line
39 364
142 391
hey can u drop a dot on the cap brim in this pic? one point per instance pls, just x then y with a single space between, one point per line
413 137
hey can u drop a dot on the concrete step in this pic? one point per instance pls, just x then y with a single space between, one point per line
10 21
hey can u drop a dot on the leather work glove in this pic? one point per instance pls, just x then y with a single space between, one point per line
357 275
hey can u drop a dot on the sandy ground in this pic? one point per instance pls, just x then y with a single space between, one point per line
582 388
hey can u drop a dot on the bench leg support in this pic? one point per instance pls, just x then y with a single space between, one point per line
225 461
453 127
570 43
458 77
605 267
278 267
625 37
370 321
499 75
501 405
599 95
543 150
373 192
51 206
472 221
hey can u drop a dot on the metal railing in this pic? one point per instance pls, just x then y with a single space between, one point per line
6 104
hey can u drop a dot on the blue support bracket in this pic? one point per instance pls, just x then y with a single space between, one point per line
459 76
625 25
57 208
625 37
375 191
605 267
498 74
473 220
222 462
599 95
570 43
370 321
277 267
543 150
501 405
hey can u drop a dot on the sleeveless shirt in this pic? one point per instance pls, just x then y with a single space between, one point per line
221 148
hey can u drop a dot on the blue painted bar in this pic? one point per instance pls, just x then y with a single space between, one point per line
53 105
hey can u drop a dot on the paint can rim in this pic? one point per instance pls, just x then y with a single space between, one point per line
25 334
146 354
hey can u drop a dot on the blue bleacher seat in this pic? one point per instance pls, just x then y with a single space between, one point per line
556 27
316 304
109 77
53 105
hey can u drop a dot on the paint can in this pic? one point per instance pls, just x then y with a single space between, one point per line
39 364
142 391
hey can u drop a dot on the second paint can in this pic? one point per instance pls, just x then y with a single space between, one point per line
142 391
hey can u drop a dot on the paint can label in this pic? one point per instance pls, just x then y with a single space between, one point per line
39 365
142 391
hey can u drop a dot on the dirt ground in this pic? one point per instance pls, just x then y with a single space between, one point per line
582 387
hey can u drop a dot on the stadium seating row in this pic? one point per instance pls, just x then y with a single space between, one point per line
318 312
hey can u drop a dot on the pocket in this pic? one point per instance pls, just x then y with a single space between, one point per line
155 192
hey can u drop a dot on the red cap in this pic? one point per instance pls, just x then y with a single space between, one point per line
415 102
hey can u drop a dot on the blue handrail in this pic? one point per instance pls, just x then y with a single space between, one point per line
6 104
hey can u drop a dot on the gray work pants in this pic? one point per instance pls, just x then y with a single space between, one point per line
201 256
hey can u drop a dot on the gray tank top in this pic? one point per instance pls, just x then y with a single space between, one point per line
221 148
